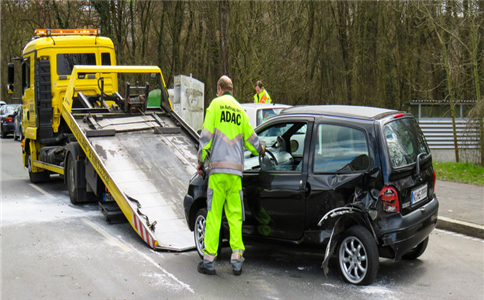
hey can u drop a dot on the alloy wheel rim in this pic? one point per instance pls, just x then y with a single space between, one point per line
353 259
200 233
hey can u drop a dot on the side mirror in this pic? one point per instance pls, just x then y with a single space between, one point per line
11 78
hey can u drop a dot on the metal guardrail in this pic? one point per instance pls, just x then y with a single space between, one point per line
439 133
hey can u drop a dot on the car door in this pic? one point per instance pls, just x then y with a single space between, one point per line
274 194
339 163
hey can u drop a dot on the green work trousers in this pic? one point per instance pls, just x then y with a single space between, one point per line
224 192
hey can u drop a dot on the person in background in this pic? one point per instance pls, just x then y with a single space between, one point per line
225 133
261 96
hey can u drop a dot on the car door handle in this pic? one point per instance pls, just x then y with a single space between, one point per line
308 190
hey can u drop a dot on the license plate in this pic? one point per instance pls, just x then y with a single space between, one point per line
418 194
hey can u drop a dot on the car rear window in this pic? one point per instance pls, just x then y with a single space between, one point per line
405 142
340 149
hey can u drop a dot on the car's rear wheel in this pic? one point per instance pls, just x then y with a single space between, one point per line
416 251
199 232
2 133
358 256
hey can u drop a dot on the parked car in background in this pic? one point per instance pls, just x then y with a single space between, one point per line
357 180
260 112
17 133
7 114
2 103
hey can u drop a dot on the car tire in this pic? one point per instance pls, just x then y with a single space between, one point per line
416 251
199 232
15 135
36 177
3 133
358 257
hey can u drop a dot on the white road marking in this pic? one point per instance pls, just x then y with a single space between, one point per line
186 286
111 239
42 191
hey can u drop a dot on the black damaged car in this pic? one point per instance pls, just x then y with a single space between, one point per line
358 180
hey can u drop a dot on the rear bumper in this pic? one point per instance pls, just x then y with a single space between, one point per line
403 233
8 127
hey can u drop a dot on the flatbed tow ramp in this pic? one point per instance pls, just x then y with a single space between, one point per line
145 160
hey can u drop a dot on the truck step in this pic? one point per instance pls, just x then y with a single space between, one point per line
112 213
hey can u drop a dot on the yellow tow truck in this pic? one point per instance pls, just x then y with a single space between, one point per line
87 119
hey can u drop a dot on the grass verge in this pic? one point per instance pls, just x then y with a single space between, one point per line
459 172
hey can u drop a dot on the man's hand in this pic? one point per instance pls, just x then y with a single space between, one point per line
263 150
199 169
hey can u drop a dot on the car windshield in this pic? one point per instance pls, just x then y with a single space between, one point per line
266 113
9 109
405 142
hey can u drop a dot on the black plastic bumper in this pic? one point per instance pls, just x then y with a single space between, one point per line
403 233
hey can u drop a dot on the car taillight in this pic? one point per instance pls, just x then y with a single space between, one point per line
435 179
9 119
389 199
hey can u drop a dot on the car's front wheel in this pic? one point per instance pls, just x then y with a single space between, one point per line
199 232
358 256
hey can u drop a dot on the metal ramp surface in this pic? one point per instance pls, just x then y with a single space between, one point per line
152 171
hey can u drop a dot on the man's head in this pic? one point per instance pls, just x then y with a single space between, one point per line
224 85
259 87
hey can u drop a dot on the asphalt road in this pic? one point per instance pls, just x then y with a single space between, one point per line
51 249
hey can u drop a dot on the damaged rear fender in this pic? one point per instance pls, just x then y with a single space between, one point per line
347 217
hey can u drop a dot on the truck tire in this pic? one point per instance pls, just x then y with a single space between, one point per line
199 232
36 177
358 256
75 194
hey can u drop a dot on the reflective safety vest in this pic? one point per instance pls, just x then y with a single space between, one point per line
263 97
226 132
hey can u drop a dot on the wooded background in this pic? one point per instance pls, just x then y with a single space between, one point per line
379 53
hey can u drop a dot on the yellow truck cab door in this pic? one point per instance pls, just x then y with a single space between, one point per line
28 94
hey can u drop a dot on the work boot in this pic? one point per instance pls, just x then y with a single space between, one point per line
206 267
237 261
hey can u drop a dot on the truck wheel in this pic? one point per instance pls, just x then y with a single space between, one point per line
71 180
199 232
36 177
417 251
358 256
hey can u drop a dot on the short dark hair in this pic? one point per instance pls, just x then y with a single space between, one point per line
225 83
259 84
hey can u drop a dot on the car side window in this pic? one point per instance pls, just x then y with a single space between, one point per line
285 148
340 149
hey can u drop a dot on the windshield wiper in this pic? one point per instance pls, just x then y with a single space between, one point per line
417 164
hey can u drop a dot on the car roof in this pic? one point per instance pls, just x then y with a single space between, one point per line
264 105
351 111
